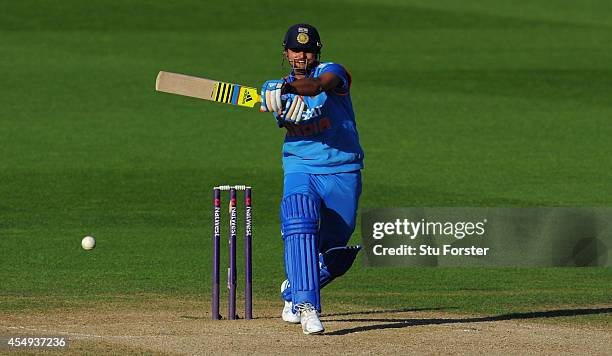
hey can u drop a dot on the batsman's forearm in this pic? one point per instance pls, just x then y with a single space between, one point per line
304 86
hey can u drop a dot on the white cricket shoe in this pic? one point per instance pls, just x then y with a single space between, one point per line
309 317
288 315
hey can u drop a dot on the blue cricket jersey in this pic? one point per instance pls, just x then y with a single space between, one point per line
326 141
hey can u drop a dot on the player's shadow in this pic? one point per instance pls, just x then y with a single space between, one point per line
384 311
368 312
404 323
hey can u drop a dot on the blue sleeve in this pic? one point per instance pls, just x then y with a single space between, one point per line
339 71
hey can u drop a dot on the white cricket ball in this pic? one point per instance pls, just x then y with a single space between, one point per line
88 243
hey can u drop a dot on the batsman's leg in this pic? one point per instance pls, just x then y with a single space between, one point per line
338 213
300 228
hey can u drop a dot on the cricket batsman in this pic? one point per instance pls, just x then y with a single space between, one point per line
322 162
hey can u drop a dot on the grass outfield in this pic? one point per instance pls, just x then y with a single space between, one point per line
457 105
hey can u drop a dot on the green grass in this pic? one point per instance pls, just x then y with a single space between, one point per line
471 104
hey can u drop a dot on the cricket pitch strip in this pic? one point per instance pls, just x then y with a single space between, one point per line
187 329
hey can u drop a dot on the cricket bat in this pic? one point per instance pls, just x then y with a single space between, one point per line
207 89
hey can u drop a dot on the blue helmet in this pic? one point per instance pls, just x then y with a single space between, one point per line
303 37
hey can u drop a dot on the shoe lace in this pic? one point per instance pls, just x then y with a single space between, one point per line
305 308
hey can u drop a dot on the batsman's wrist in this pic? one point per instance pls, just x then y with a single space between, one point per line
288 89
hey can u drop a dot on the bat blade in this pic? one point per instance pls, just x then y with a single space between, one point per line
207 89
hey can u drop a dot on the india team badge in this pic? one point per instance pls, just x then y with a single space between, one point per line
302 38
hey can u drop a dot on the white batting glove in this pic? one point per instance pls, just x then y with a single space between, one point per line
271 96
294 109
